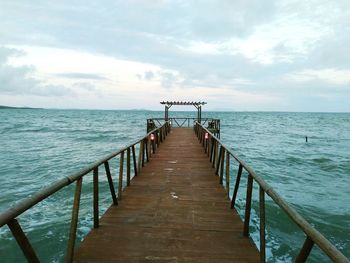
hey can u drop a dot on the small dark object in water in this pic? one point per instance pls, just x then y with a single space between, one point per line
306 138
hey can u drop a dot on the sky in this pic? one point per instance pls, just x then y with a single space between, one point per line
240 55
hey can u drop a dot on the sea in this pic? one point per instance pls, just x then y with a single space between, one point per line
40 146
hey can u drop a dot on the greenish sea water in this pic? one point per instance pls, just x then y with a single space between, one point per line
38 147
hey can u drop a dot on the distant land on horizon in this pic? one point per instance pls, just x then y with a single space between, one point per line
11 107
34 108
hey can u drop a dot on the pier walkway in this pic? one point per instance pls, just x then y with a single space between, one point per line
175 210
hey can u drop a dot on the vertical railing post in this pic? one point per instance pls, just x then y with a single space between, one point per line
140 157
158 139
128 167
214 153
74 222
110 183
120 183
228 174
218 160
134 160
222 162
238 180
144 149
154 144
203 138
248 205
262 225
209 144
212 142
148 152
95 182
305 250
22 241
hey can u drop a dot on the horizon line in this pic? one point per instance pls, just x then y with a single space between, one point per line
141 109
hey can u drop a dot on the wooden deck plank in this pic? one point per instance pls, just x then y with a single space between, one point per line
174 211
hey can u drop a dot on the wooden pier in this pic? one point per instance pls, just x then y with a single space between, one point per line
174 211
176 207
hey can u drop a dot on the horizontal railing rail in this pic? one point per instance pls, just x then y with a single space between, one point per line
182 121
219 155
147 146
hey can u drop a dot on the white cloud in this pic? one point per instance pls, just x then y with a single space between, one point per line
66 67
19 79
290 36
332 76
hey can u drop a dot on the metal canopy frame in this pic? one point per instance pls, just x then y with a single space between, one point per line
197 104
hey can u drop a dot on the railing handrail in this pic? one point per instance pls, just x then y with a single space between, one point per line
29 202
193 118
324 244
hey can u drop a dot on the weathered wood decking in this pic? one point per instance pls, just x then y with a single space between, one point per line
174 211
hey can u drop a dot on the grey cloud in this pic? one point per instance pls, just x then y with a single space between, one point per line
216 20
77 75
110 22
149 75
5 53
51 91
168 79
333 52
85 86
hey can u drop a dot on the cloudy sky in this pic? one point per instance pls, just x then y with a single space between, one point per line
274 55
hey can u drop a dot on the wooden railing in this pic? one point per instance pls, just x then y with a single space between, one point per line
219 155
147 145
177 122
182 122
